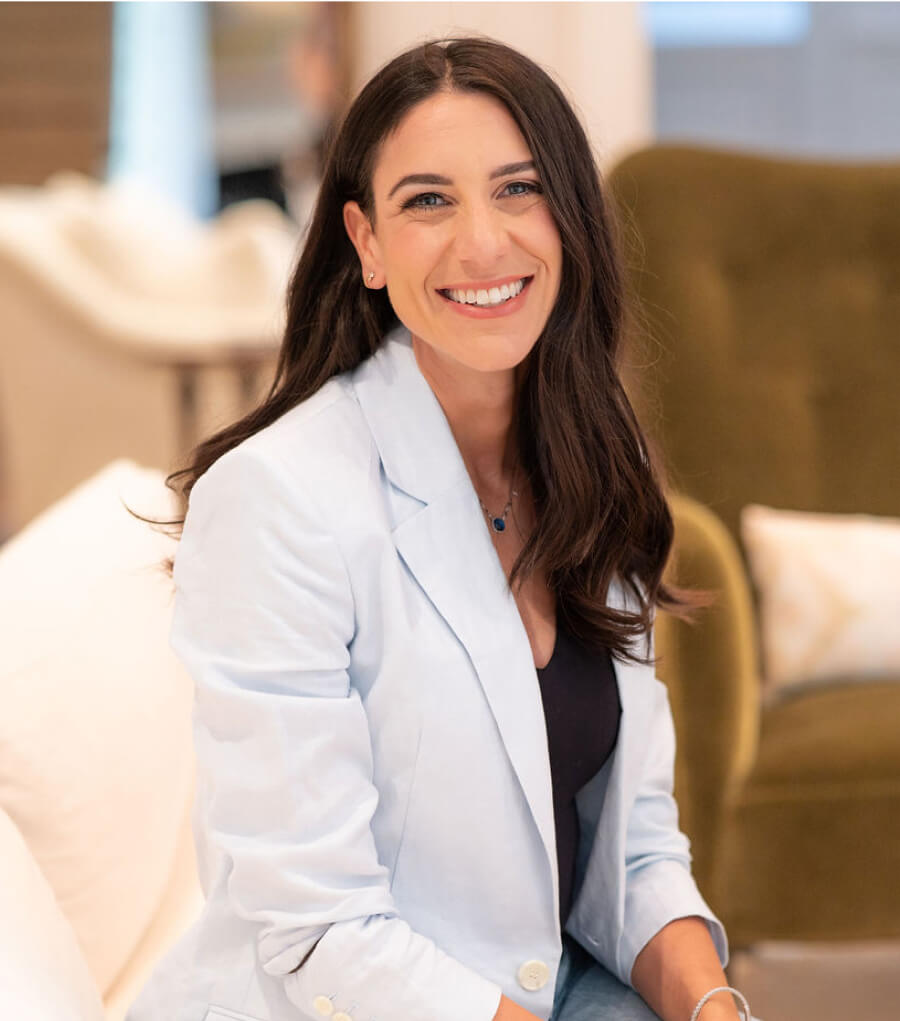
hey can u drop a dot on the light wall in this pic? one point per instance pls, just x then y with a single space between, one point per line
597 52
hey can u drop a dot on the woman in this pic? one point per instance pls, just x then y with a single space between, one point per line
415 591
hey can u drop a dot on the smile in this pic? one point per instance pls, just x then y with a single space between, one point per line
490 298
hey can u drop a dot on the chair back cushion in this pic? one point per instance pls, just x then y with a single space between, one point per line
770 289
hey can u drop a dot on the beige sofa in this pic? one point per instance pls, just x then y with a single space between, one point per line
128 329
96 765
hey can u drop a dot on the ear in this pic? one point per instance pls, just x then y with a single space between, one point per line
364 241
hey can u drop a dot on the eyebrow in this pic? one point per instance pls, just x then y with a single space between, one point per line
505 170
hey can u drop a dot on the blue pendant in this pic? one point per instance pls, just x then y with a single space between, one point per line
499 524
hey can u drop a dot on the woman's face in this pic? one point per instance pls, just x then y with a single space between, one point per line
463 238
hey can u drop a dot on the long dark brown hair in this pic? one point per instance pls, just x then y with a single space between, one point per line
601 513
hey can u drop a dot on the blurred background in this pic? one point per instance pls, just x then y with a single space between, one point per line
158 166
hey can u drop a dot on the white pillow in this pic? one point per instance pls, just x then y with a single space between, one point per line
829 594
43 975
95 746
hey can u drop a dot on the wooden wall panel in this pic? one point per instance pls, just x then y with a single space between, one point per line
55 61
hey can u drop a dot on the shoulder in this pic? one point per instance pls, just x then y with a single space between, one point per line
322 436
313 460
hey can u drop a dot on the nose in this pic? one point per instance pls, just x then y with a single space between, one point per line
482 240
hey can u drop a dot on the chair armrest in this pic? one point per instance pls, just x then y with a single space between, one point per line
710 668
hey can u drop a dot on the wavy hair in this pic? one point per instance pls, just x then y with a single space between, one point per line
600 511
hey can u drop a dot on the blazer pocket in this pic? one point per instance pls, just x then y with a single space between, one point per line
227 1014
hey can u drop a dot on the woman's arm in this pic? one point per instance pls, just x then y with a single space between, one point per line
677 967
676 958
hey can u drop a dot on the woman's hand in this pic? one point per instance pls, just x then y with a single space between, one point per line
509 1010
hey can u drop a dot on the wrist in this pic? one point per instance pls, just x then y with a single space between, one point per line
722 1004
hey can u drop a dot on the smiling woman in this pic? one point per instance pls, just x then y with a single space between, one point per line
415 591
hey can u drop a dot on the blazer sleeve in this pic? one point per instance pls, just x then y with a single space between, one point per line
659 886
263 619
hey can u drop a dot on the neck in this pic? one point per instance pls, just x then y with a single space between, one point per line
479 409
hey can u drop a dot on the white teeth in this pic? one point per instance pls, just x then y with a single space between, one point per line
494 296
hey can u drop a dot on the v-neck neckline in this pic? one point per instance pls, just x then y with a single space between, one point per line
556 645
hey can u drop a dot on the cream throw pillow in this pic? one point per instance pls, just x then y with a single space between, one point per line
95 746
829 594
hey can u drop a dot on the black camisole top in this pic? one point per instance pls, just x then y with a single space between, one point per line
581 710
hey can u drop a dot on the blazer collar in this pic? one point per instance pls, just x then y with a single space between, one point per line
446 545
417 447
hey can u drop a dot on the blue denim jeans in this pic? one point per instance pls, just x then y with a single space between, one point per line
586 991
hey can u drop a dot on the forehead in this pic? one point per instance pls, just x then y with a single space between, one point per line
451 127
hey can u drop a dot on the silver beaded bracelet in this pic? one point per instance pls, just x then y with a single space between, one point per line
736 993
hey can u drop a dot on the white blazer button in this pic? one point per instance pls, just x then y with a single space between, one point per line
322 1005
341 1016
533 975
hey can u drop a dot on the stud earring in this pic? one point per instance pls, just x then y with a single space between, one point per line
370 277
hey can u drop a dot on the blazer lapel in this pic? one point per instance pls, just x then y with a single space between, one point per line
445 543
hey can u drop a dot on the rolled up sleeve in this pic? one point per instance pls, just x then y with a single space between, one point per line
659 886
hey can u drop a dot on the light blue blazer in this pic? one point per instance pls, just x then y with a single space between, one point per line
374 819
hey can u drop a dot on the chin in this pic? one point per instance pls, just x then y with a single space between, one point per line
480 352
503 357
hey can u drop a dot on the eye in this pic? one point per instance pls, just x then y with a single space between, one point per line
426 200
527 188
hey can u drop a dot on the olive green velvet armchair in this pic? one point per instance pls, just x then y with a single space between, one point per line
769 368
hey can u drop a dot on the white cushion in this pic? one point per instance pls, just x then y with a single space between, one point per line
43 975
96 764
829 594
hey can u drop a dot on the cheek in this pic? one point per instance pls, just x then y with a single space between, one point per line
414 250
539 236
